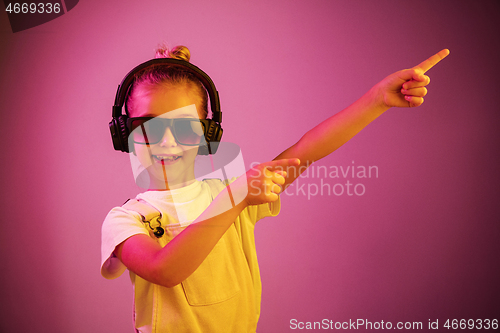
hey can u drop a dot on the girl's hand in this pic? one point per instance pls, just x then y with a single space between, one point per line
406 88
265 180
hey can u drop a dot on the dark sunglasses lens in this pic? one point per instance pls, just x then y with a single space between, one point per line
189 131
147 131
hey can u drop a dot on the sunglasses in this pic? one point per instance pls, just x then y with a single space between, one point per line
150 130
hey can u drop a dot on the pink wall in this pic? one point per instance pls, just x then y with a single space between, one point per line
421 243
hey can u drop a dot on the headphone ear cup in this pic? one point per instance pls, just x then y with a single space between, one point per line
203 150
217 135
213 134
119 133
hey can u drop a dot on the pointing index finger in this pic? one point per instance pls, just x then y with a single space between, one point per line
432 61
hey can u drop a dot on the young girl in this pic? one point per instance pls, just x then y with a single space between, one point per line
194 268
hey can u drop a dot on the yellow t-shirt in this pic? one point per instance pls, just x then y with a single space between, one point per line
224 293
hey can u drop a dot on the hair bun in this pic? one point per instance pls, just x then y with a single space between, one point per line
179 52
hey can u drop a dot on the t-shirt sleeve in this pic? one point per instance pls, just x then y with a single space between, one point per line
118 225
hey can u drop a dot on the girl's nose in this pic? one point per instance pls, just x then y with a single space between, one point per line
168 139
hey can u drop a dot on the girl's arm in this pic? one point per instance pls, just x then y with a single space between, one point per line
405 88
172 264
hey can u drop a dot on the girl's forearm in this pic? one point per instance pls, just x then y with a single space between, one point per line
185 253
335 131
178 259
405 88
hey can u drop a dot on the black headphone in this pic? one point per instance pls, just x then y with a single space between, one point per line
118 125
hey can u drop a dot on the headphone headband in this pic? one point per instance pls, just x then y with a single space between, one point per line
207 82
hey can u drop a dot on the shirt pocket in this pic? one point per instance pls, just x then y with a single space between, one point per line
214 281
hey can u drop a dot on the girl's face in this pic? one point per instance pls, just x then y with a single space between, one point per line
169 164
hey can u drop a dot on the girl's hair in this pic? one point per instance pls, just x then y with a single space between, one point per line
169 75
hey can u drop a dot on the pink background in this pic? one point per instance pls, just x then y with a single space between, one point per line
421 243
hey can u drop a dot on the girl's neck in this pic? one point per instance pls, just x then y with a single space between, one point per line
168 187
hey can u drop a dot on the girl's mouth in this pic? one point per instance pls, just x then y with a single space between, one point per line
166 159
